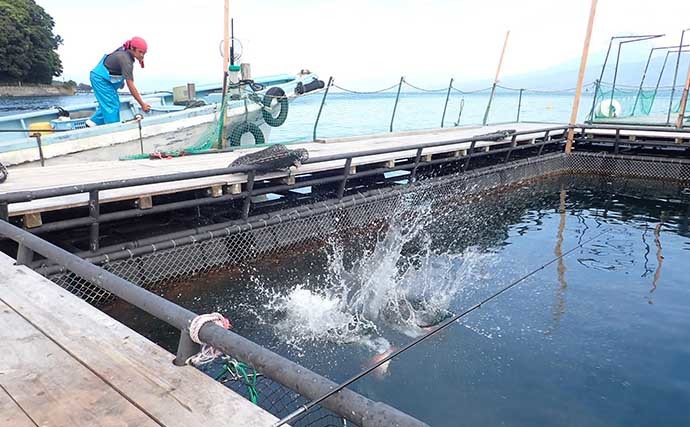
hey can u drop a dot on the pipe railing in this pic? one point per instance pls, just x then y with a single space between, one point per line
95 217
347 404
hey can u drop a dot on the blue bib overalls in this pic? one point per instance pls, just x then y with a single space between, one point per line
105 88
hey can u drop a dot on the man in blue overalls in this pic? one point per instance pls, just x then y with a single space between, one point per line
110 74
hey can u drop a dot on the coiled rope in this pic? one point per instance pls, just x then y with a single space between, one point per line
207 353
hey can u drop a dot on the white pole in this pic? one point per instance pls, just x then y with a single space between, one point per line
226 37
580 78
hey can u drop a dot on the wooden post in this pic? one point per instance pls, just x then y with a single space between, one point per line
580 78
683 100
498 72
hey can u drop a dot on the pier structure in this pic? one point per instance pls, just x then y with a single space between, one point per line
67 359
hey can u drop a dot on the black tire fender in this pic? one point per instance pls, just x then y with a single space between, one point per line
279 95
245 127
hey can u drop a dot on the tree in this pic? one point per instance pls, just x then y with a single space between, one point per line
27 43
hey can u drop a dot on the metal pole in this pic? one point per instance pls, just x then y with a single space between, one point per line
644 74
517 120
395 107
658 82
37 135
226 64
462 105
323 101
675 76
580 78
498 71
445 106
615 76
683 101
597 84
94 213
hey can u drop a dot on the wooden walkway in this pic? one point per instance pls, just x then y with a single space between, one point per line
65 363
30 179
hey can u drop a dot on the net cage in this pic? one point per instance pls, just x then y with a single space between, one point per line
627 102
316 222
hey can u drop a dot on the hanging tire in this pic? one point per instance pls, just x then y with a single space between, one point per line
243 128
279 95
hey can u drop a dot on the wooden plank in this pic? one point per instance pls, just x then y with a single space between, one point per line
216 190
136 367
12 415
145 202
51 386
33 220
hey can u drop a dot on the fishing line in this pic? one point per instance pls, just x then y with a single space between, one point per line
305 408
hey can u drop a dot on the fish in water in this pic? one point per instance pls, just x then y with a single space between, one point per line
383 349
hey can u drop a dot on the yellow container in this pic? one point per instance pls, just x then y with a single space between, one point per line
43 128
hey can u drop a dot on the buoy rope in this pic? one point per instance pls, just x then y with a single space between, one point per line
207 353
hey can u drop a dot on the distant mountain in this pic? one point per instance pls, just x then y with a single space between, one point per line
564 76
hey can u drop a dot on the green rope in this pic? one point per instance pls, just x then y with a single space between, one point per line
234 370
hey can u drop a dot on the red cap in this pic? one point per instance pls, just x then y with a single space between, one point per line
138 43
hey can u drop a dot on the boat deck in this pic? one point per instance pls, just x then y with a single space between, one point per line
32 179
65 363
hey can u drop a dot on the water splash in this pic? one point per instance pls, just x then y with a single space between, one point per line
401 283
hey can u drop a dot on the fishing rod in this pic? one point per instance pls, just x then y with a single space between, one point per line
305 408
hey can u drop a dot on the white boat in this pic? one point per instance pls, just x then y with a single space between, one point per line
57 136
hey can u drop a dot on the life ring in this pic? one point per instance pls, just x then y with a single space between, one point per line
243 128
270 117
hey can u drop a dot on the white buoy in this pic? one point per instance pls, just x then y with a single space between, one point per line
610 108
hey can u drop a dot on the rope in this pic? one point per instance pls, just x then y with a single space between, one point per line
234 370
364 93
471 91
424 90
207 353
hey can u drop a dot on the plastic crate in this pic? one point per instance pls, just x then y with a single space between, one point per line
68 124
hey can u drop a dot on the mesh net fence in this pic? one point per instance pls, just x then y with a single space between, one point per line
307 225
627 102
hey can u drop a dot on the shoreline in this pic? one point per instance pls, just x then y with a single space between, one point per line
35 90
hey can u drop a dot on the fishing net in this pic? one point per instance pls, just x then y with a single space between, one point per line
3 173
210 139
275 157
628 102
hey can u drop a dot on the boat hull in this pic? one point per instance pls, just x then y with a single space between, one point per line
159 133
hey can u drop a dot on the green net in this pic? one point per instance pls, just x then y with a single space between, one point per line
628 102
210 139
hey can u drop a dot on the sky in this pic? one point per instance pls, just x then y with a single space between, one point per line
364 45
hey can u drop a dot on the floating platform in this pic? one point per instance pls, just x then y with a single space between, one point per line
36 179
65 363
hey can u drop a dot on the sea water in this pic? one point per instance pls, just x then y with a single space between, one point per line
349 113
596 332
